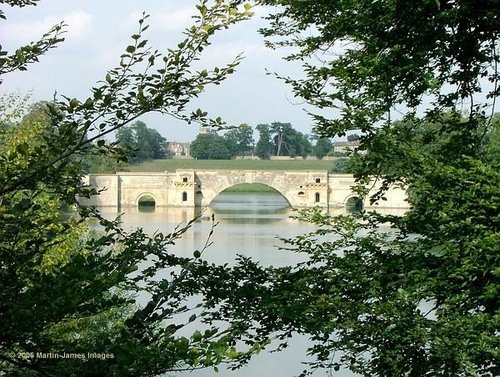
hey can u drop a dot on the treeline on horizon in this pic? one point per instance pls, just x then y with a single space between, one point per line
140 143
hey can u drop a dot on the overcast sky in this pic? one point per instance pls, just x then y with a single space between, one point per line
98 32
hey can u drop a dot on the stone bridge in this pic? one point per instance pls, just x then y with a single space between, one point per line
193 188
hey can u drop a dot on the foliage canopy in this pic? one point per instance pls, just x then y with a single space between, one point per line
142 142
210 146
83 284
385 295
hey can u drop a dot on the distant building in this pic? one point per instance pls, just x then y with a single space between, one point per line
177 149
345 146
206 130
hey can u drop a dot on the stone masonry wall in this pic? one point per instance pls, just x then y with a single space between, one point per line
190 188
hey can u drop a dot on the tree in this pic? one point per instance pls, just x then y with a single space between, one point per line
322 147
210 147
353 137
239 141
143 143
298 144
67 286
341 166
288 141
281 133
37 114
264 146
150 143
491 144
281 139
96 163
421 299
125 138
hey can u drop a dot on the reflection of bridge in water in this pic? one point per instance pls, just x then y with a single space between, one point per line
197 188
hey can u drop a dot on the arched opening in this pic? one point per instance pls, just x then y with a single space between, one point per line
354 204
317 197
146 203
184 196
250 203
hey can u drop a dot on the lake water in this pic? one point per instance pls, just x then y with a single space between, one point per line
248 224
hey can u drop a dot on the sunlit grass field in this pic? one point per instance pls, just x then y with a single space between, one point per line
172 165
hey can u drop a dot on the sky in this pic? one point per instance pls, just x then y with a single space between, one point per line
100 30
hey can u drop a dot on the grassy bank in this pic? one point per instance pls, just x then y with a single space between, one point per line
172 165
250 187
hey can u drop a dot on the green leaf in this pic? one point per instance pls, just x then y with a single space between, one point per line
203 9
197 337
74 103
22 148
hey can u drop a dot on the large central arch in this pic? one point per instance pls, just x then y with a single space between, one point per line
272 190
297 187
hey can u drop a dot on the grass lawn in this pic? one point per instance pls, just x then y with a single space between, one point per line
172 165
250 187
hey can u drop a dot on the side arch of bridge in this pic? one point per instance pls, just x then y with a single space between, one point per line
148 195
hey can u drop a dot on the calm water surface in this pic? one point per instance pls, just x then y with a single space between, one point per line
249 224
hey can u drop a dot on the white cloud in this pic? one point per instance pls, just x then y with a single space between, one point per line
79 23
178 19
99 30
260 11
222 53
